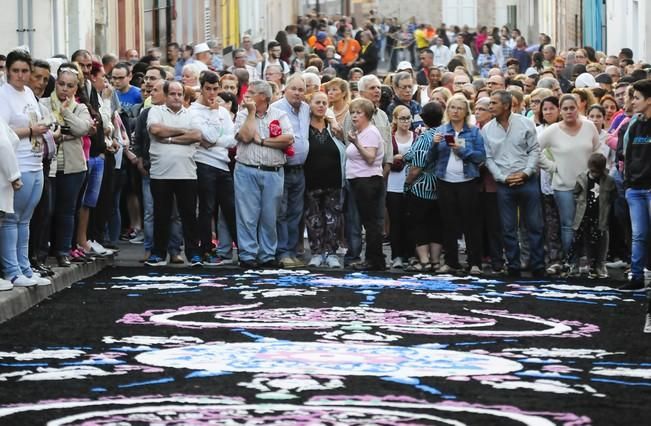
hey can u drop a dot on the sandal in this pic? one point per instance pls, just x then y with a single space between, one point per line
419 267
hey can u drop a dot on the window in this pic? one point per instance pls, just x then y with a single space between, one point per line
157 20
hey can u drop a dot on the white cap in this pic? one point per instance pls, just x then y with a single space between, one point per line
200 48
404 65
585 80
530 71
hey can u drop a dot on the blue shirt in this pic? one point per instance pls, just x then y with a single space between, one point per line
301 124
130 98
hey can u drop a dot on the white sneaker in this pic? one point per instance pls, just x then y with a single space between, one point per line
647 324
397 263
107 252
316 261
23 281
475 270
40 280
97 248
554 269
618 264
5 285
333 261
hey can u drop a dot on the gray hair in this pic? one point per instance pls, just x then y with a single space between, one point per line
193 68
310 78
261 86
397 78
547 83
298 76
505 96
367 80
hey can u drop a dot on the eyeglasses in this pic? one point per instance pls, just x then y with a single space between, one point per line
535 101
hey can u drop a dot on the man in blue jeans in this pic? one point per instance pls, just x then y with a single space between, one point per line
263 133
291 208
637 180
512 155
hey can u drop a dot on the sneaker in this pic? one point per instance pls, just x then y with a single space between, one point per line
617 264
176 259
602 271
475 270
287 262
632 285
555 269
647 324
139 238
22 281
248 264
298 263
5 285
397 263
40 280
316 261
333 261
446 269
573 271
97 248
155 261
212 260
195 261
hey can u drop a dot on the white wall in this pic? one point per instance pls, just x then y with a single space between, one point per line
631 15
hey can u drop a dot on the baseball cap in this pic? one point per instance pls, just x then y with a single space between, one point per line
585 80
404 65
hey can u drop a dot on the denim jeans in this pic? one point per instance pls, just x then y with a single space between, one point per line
352 225
216 193
176 231
527 198
94 183
291 212
164 192
14 230
65 206
257 207
639 204
224 239
566 208
369 194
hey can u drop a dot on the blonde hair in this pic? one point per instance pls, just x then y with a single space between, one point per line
363 105
342 85
459 97
443 91
394 117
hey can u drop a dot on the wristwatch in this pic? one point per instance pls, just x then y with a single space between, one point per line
169 140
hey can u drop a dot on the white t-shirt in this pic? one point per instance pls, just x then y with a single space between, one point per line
218 129
171 161
454 170
396 181
20 110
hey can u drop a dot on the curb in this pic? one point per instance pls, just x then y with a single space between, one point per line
18 300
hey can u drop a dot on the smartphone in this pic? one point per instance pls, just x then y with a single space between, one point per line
449 139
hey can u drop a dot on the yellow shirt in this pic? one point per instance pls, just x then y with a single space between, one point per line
421 39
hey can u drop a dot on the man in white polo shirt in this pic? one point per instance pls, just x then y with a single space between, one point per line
175 134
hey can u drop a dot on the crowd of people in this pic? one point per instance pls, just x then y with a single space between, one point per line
522 157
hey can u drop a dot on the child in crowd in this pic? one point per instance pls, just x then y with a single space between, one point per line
298 63
594 194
